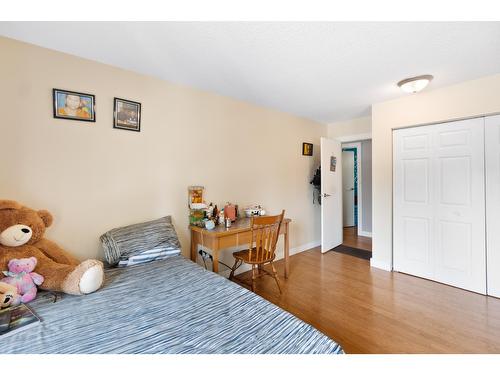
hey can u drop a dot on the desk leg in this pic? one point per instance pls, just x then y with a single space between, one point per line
194 245
287 250
215 254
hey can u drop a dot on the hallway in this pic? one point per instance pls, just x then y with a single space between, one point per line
351 239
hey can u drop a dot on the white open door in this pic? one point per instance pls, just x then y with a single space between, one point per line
331 194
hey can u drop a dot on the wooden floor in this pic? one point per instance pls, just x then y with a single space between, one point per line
368 310
352 239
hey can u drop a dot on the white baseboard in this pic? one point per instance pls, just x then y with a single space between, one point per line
380 265
307 246
365 234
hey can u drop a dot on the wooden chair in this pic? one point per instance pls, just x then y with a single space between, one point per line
265 233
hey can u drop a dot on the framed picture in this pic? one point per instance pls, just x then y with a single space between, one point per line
333 163
127 115
71 105
307 149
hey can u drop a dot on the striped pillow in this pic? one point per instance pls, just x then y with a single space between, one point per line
148 256
139 243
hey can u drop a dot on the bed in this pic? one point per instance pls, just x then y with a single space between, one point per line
166 306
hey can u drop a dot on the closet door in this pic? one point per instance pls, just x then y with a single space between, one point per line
439 214
492 157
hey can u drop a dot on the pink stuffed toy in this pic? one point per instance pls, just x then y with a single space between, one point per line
21 275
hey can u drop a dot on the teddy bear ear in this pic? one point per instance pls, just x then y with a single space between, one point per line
34 260
12 205
46 216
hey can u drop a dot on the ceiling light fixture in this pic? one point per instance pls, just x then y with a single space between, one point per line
415 84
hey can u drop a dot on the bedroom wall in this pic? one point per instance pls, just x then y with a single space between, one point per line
467 99
356 126
94 178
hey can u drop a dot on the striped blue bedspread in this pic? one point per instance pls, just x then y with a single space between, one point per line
167 306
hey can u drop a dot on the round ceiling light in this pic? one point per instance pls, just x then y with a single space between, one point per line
415 84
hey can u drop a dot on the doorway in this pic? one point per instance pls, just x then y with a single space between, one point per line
350 186
356 185
355 238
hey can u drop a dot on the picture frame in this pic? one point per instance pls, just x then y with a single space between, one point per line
73 105
127 115
307 149
333 163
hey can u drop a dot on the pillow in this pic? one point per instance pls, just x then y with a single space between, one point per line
139 243
148 256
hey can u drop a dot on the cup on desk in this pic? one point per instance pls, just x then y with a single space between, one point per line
209 224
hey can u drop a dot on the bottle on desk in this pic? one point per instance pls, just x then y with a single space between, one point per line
210 211
221 217
215 214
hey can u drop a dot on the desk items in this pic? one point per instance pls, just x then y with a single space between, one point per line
196 205
230 211
209 216
221 218
209 224
255 210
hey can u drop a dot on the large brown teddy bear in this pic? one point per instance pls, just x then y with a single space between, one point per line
21 236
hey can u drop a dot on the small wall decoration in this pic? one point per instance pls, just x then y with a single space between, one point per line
333 163
307 149
71 105
127 115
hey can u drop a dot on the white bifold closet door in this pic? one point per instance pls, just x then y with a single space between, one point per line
492 157
439 203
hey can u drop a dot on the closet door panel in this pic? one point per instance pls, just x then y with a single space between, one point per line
413 212
458 167
492 157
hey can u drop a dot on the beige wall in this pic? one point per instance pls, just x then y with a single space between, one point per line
467 99
356 126
93 177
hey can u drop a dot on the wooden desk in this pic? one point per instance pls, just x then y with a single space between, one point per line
237 234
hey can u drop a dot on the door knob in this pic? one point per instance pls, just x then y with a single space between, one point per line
326 195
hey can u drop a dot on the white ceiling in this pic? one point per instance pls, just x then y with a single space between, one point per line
325 71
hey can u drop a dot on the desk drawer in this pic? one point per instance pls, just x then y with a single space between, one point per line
228 241
244 238
234 240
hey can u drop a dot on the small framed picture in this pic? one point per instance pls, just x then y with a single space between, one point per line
71 105
333 163
307 149
127 115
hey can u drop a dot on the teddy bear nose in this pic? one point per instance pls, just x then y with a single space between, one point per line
25 230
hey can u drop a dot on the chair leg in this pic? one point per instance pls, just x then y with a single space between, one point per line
254 276
235 266
275 275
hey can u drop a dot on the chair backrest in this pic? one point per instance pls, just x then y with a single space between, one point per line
265 233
